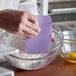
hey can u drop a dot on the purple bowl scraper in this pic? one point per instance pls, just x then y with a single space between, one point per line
40 43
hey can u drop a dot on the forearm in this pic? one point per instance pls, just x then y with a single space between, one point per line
10 19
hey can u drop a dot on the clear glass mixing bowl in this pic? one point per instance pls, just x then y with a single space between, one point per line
26 61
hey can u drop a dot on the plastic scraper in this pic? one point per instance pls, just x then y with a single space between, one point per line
40 43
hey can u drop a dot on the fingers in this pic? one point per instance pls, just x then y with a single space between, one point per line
53 37
32 26
31 22
25 35
29 25
26 31
29 31
29 17
33 19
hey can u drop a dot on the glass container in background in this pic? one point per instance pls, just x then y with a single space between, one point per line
69 46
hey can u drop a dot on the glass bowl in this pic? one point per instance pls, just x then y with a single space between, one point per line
69 46
26 61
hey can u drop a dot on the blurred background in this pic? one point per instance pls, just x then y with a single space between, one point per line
63 12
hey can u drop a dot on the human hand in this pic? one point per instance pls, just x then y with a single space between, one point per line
19 22
53 37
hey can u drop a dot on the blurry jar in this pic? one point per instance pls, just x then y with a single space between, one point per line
69 46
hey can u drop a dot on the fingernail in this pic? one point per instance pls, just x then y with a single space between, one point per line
36 34
39 29
31 36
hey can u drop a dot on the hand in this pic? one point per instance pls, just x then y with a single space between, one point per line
53 37
19 22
